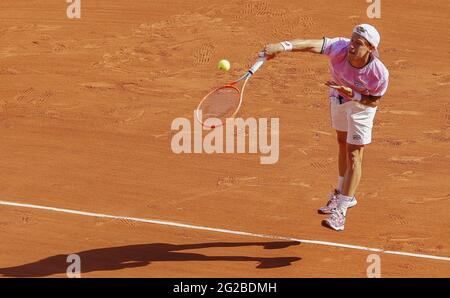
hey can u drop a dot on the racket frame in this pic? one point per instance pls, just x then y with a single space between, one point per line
262 58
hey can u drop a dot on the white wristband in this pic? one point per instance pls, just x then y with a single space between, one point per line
357 96
287 46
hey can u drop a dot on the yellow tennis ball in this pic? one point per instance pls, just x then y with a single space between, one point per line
224 65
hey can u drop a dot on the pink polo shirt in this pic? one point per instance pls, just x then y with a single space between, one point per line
372 79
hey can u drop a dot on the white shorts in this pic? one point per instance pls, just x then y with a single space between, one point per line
354 118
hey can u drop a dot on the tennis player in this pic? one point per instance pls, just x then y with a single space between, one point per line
359 80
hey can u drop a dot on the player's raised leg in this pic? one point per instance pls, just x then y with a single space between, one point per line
341 137
342 157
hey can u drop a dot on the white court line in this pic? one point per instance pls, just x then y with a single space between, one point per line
193 227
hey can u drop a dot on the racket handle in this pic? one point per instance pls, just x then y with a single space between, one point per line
262 58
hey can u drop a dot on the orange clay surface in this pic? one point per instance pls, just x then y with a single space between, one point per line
86 108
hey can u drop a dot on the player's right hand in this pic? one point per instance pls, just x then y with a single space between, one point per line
271 50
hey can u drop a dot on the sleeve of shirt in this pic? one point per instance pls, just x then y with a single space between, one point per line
332 46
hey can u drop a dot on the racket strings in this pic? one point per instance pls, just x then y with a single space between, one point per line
221 104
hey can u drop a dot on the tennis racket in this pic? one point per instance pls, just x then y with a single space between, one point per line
225 101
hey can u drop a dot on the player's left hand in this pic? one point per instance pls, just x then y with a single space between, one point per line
345 91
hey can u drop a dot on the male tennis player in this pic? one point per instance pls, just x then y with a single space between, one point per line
359 80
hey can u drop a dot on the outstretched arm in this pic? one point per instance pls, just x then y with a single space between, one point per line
296 45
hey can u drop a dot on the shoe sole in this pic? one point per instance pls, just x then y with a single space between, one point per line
326 224
352 204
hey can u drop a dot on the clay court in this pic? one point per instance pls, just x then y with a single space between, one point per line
86 108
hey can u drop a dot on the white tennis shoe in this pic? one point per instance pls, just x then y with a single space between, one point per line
333 201
336 221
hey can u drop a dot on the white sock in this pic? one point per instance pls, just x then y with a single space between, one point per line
340 183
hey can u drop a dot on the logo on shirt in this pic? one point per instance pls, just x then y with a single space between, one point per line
359 85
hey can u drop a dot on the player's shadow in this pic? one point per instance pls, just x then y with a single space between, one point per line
121 257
